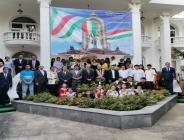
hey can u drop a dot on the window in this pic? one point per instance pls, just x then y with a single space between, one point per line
23 24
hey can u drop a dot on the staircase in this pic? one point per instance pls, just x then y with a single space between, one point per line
180 99
7 108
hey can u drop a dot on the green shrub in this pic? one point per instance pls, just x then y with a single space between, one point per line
125 103
61 101
28 98
84 102
52 100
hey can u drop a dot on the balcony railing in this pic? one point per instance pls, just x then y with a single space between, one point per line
146 41
177 40
21 37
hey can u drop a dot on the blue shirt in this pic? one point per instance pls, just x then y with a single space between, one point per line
27 75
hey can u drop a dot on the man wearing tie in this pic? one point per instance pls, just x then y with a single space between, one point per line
19 64
64 76
5 84
34 63
168 75
41 79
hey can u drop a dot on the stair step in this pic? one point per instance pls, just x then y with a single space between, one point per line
180 100
7 108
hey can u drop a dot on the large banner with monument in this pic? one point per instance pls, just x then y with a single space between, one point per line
90 32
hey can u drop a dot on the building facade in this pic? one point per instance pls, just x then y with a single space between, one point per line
157 35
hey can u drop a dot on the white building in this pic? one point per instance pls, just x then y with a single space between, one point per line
155 31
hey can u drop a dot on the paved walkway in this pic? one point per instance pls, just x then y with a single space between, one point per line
22 126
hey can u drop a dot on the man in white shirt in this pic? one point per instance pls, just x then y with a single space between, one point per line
150 76
138 73
123 73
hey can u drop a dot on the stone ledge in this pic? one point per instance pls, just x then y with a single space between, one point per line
145 117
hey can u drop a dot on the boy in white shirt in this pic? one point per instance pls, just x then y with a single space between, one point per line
138 73
150 76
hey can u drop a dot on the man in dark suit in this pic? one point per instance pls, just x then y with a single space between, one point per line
5 84
64 76
88 75
168 75
34 63
19 64
41 79
111 75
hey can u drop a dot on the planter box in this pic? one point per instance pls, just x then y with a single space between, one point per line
145 117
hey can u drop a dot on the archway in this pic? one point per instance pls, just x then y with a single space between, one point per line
26 55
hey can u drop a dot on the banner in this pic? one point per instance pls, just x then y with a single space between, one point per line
97 32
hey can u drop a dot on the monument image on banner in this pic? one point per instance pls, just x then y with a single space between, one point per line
79 32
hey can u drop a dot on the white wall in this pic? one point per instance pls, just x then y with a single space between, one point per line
5 19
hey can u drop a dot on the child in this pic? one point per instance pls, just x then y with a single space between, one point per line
112 92
131 91
138 90
123 90
63 91
98 91
70 93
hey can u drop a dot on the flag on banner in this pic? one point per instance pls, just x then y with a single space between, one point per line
89 29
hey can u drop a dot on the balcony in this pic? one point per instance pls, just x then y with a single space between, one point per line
17 38
177 42
146 41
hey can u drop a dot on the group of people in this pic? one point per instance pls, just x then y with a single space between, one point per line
65 76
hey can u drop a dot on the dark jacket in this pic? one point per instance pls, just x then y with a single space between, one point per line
5 83
108 75
62 76
17 64
37 64
40 78
88 75
168 75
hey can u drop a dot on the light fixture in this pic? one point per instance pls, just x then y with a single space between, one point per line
20 11
142 16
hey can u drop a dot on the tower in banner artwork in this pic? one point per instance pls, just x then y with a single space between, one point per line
93 33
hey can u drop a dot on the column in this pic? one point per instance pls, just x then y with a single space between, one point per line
45 33
136 29
154 50
165 40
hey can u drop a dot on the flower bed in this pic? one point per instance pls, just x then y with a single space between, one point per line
125 103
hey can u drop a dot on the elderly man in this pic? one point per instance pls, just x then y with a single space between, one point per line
168 75
19 64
